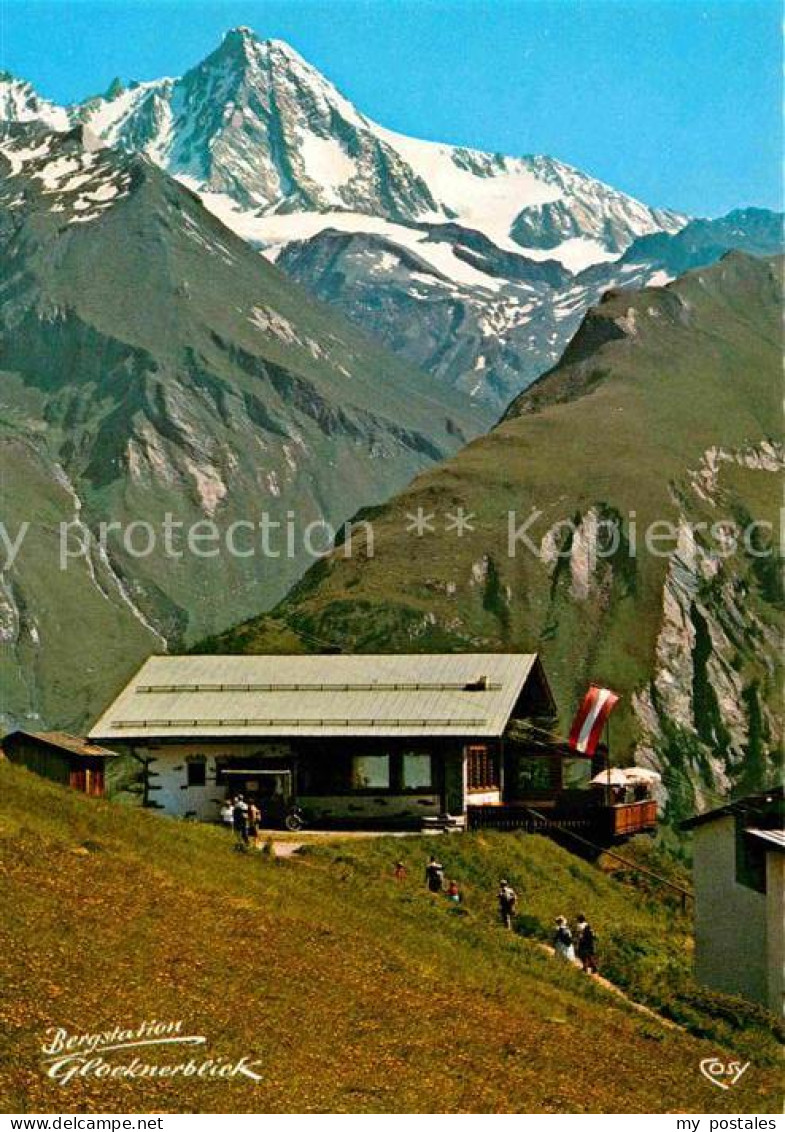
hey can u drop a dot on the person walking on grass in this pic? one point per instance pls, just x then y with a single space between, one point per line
587 945
254 819
399 872
508 901
562 940
454 892
434 875
227 813
240 822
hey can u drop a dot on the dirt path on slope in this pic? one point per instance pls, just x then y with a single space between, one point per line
614 989
289 848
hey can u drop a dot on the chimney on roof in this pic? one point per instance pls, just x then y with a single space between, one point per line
478 685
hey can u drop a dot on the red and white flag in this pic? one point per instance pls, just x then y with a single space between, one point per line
598 703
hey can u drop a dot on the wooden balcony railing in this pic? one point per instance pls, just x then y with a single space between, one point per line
606 823
512 817
629 818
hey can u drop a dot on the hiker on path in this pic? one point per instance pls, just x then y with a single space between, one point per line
562 940
240 822
508 899
586 946
454 892
254 821
434 875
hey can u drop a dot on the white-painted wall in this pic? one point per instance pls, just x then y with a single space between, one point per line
738 932
168 776
775 930
486 798
169 789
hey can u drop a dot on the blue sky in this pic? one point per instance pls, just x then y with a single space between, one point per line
675 101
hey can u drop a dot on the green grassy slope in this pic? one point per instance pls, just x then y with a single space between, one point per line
656 385
358 994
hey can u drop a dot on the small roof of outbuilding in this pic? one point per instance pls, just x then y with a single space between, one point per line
771 838
471 694
752 804
73 744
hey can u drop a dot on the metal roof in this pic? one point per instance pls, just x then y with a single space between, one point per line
276 696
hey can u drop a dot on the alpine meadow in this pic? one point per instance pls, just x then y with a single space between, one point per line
391 595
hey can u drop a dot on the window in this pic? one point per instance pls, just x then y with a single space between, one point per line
575 773
197 773
416 771
534 774
482 770
371 772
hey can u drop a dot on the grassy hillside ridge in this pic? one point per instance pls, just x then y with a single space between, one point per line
645 937
358 994
665 408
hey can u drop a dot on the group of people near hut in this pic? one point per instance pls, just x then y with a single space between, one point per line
577 946
245 819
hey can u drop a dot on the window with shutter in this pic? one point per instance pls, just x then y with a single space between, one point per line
482 770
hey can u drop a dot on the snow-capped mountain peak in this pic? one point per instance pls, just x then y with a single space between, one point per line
241 35
470 254
243 41
263 135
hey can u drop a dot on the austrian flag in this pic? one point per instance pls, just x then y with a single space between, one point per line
598 703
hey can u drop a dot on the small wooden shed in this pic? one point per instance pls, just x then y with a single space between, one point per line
68 759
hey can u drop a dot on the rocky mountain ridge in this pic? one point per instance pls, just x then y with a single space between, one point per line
153 364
